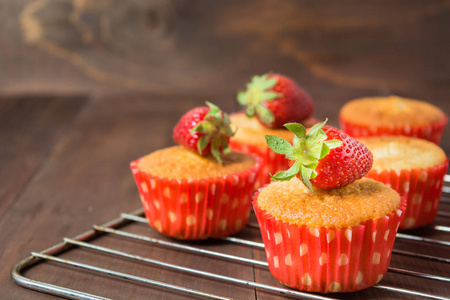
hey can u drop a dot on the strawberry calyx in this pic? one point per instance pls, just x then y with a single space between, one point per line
258 91
307 149
215 130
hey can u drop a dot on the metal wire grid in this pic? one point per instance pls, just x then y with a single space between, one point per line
111 228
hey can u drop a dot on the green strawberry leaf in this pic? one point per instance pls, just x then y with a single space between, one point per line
258 91
287 175
325 150
333 144
298 129
268 96
215 146
202 127
307 149
215 130
305 175
203 142
242 98
316 128
264 114
278 144
268 83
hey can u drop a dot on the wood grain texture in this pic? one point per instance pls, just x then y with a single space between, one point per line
86 180
376 47
64 159
29 129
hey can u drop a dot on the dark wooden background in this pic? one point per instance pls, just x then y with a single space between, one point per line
88 86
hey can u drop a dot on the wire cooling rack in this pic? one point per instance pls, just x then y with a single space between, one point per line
148 240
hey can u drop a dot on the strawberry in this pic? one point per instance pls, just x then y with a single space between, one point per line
275 100
322 156
205 130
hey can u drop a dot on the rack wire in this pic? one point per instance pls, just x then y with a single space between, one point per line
118 229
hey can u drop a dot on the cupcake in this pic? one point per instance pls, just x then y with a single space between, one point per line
250 138
336 240
271 100
393 115
332 231
415 168
200 188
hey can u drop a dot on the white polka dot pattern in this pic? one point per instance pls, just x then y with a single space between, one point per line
157 225
144 187
330 236
166 192
348 234
359 278
275 262
152 183
343 260
183 197
278 238
156 204
409 222
417 198
306 279
224 199
288 260
235 203
190 220
303 249
199 197
380 277
223 224
323 259
209 214
172 216
334 287
376 258
314 232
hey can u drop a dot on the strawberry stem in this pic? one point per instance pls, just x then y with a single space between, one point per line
216 131
307 149
258 91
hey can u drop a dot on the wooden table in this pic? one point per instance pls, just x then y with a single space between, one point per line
74 112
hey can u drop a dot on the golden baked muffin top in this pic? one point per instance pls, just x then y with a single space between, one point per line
251 131
178 162
403 153
291 202
390 111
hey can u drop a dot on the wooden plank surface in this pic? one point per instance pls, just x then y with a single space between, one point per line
85 180
29 129
64 157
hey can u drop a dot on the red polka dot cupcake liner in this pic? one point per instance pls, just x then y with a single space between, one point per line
432 133
197 209
421 190
271 162
328 260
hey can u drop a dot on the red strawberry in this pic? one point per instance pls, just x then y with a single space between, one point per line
205 130
323 156
276 100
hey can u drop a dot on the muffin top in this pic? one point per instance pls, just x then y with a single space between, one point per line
179 163
390 111
403 153
291 202
251 131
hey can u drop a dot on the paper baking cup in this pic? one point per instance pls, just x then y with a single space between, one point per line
421 190
328 260
432 133
271 162
197 209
